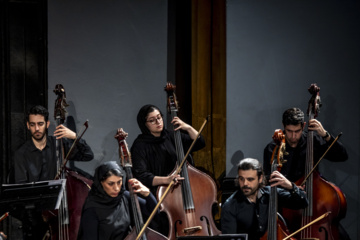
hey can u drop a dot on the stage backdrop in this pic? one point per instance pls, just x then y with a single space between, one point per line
111 57
275 50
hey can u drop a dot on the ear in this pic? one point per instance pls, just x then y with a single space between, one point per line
28 125
47 124
261 178
304 125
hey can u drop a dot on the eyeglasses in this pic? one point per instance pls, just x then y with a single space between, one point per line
152 121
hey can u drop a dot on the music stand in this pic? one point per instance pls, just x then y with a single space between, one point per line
44 195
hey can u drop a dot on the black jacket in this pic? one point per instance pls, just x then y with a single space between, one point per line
239 215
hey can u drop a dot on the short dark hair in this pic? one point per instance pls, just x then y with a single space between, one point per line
38 110
293 116
252 164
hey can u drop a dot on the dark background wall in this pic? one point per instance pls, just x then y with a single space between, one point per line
111 57
275 50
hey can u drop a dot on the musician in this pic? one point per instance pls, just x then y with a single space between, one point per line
246 210
153 151
296 142
36 160
106 213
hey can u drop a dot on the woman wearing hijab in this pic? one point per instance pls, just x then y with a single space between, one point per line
106 213
153 151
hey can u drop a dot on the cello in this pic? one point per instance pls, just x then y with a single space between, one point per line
64 223
322 195
188 206
276 228
126 163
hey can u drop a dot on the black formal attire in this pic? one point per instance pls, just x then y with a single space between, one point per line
33 165
104 217
294 168
240 215
156 156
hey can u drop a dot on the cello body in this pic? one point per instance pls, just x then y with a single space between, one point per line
181 218
282 232
328 198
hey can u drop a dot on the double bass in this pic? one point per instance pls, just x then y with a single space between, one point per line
322 195
276 229
189 204
126 163
64 223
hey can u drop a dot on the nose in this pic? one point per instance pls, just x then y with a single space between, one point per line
37 127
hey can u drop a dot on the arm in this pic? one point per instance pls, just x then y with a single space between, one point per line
294 198
2 236
337 153
81 152
147 200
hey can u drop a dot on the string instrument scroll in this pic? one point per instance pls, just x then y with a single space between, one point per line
126 163
189 204
322 195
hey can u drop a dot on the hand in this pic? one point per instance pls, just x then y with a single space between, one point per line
315 125
2 236
180 124
61 131
138 187
175 178
277 179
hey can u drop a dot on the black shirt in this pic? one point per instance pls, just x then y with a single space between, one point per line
33 165
239 215
294 168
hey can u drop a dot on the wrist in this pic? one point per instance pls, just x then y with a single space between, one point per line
327 134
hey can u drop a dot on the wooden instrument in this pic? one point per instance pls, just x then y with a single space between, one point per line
65 222
276 229
126 163
323 196
189 204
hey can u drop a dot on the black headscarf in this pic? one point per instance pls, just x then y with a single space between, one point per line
97 196
141 117
113 214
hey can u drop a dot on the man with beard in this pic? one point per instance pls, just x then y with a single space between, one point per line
296 145
246 210
36 160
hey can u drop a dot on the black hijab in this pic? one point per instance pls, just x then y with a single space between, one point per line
113 214
97 196
141 117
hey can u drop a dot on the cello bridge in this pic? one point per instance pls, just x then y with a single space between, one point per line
192 230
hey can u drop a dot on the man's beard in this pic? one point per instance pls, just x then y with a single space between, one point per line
249 193
39 138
